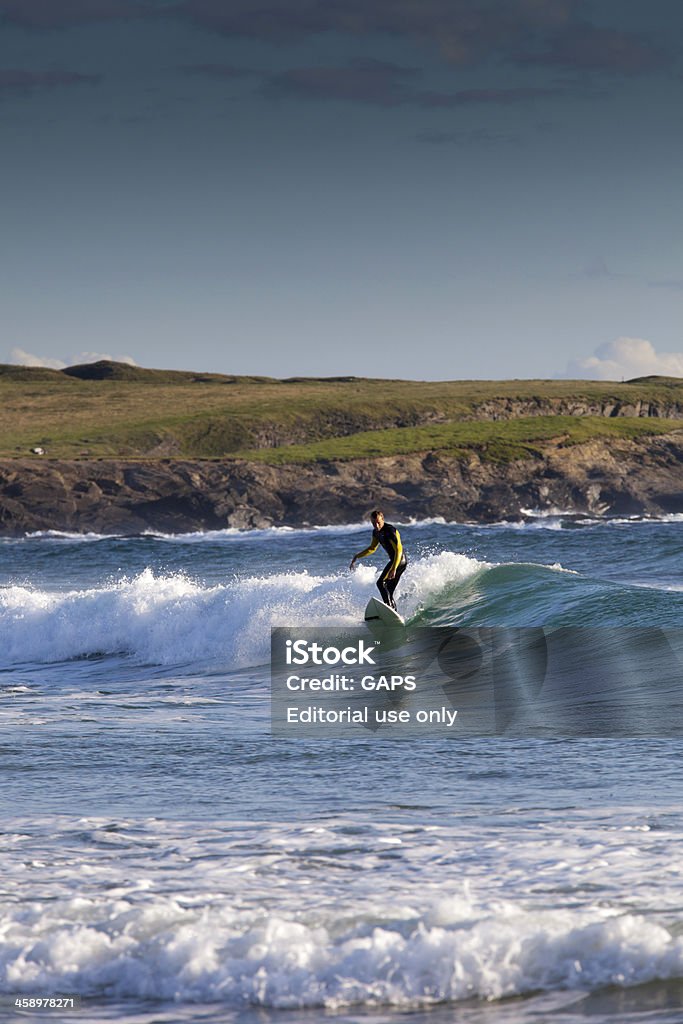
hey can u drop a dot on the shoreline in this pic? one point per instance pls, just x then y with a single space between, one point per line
526 519
615 477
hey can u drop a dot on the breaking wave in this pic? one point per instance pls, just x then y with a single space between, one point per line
174 619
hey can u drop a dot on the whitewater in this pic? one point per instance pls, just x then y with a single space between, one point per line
166 859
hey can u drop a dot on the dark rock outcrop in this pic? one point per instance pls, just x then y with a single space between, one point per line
172 495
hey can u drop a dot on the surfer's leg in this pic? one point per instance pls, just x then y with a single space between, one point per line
392 584
383 586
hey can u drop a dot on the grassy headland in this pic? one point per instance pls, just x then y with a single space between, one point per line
494 441
114 410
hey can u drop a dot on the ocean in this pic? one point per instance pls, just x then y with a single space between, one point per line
165 858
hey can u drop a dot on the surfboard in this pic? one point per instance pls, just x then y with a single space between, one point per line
378 611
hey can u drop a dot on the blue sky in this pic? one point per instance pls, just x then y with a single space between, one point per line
396 188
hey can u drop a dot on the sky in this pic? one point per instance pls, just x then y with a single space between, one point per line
423 189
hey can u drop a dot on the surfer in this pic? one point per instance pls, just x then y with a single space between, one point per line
390 539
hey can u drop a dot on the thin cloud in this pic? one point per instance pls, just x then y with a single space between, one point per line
585 47
466 97
13 80
598 270
54 14
379 83
96 357
474 137
466 31
625 358
20 357
227 72
674 283
362 81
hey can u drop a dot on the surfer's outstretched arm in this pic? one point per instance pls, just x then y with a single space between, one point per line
368 551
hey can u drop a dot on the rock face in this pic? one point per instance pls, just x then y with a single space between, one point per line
111 496
511 408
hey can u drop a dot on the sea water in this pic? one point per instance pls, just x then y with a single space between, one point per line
163 857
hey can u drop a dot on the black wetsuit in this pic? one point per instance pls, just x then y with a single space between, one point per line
390 539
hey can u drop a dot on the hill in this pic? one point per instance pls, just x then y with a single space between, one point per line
125 449
109 409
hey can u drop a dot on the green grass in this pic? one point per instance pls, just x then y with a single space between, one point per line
494 441
115 410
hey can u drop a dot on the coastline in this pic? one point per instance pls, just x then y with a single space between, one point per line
599 477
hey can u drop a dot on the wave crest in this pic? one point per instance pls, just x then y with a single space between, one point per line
173 619
160 949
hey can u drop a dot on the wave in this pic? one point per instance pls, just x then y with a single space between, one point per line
174 619
558 519
58 535
189 949
230 533
533 519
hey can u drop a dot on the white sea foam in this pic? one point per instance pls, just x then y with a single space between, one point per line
233 533
164 950
269 532
232 918
176 620
68 535
536 519
547 513
228 534
558 519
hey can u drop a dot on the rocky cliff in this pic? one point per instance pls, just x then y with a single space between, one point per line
598 477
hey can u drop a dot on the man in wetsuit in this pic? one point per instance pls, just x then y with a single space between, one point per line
390 539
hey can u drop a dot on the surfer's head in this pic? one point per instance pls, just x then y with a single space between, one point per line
377 518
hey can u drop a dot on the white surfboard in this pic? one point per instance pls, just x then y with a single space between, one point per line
378 611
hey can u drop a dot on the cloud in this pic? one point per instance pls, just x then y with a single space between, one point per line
626 358
225 71
466 31
95 357
51 14
379 83
585 47
475 137
264 19
362 81
674 283
18 81
598 270
466 97
19 357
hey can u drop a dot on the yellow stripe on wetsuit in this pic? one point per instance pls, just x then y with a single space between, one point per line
398 554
